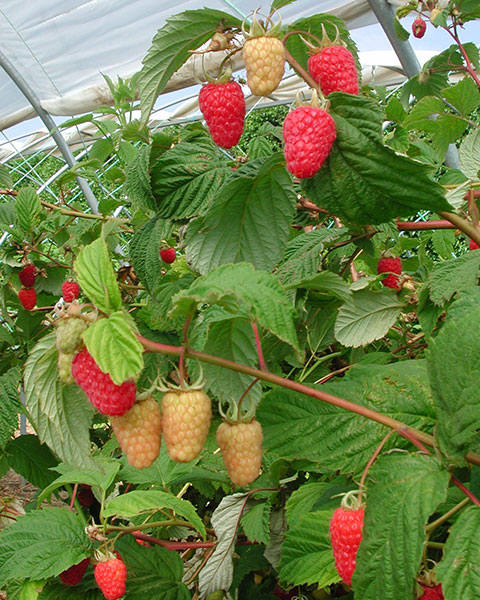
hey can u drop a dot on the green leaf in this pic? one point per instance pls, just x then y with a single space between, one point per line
133 503
27 207
232 339
469 155
155 313
115 347
256 523
403 492
443 241
327 283
367 316
257 200
400 31
453 276
259 146
296 426
276 4
187 178
304 499
156 573
455 383
240 286
307 558
9 403
427 106
363 181
42 544
31 459
144 252
172 46
96 277
458 571
137 180
464 96
6 180
61 415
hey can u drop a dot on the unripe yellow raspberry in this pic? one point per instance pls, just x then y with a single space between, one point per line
139 432
64 362
241 446
264 59
185 421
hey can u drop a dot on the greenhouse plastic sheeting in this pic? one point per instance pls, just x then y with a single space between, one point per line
61 47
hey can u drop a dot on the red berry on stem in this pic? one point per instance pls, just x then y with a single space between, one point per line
223 106
27 297
28 275
111 578
346 534
392 265
335 70
70 290
418 27
74 574
107 397
309 133
168 255
432 593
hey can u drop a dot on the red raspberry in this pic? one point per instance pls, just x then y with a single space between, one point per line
473 245
111 578
241 446
309 133
85 495
334 69
185 422
28 275
74 574
392 265
107 397
418 27
27 297
432 593
168 255
139 432
223 106
346 535
70 290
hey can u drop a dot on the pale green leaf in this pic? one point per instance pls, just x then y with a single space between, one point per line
27 207
304 499
276 4
426 107
296 426
443 241
307 558
326 283
469 155
400 31
403 492
256 523
364 181
137 180
9 403
262 199
367 317
453 276
464 96
172 46
241 286
61 415
115 347
6 180
458 571
96 276
141 501
42 544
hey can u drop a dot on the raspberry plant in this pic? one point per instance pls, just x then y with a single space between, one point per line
325 381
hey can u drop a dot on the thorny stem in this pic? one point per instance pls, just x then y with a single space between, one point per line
469 66
413 434
463 225
149 525
258 344
333 374
74 495
415 338
361 485
350 262
174 545
301 71
434 524
246 392
181 365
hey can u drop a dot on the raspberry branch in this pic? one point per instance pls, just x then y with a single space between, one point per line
361 485
258 343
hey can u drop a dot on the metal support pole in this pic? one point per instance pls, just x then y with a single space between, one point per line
407 57
31 96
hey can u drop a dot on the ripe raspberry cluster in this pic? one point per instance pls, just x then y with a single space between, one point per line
74 574
334 69
393 266
346 534
70 291
27 295
432 593
111 577
223 106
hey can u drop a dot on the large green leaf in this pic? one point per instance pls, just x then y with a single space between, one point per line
31 459
455 382
469 155
296 426
364 181
60 414
452 276
403 492
308 559
115 347
458 571
9 403
367 316
42 544
137 180
97 278
171 47
240 287
187 178
249 221
27 207
132 503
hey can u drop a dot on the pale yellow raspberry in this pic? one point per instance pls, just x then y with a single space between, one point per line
241 446
264 59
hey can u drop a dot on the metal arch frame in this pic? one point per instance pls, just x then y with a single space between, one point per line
30 95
